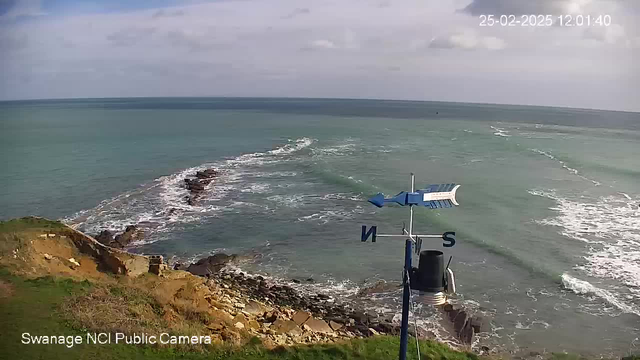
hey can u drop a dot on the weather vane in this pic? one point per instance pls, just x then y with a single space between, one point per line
430 278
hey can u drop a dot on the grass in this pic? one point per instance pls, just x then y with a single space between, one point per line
41 307
29 224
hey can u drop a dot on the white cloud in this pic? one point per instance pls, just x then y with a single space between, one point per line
369 49
323 44
467 39
607 34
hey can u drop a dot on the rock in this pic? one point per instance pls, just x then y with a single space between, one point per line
480 324
335 326
48 257
239 305
460 321
239 318
270 317
105 237
310 280
485 348
253 308
180 266
130 234
323 296
206 174
51 235
300 317
157 268
374 332
239 325
360 317
74 262
296 281
43 236
285 327
210 265
317 325
252 324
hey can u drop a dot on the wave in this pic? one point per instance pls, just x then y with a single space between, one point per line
159 205
328 215
610 226
565 166
582 287
500 132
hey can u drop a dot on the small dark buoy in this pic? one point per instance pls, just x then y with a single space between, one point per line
436 113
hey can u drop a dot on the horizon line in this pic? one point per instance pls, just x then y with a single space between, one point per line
315 98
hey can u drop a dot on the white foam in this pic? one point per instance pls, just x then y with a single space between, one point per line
342 196
290 200
564 166
611 227
337 150
500 132
256 188
297 145
582 287
329 215
161 203
275 174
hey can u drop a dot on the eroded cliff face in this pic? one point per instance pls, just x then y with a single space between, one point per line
38 247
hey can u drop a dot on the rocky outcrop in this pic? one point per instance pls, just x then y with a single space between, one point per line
197 183
131 233
210 265
109 259
465 326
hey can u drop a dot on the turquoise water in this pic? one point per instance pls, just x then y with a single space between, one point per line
548 227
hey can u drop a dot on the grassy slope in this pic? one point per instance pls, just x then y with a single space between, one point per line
40 306
34 307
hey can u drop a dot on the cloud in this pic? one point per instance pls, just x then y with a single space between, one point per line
323 44
192 40
246 48
22 8
11 42
296 12
606 34
524 7
130 36
467 40
167 13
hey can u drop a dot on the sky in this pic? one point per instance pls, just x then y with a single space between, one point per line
387 49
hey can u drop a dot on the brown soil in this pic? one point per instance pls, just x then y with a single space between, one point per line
28 258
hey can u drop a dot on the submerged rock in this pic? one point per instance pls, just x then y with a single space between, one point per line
210 265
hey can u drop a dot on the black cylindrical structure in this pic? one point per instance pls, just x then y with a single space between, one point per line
431 271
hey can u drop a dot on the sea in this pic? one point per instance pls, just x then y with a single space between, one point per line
547 231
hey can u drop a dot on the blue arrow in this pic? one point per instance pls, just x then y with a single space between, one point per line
434 197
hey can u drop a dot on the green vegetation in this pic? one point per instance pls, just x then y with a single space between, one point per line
29 224
38 306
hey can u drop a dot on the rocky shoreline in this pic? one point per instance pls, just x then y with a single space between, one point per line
284 316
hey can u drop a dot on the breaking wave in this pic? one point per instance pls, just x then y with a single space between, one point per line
159 205
610 228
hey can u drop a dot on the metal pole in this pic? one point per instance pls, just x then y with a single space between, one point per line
413 184
404 331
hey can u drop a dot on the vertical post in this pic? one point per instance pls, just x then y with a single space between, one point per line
413 184
404 331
